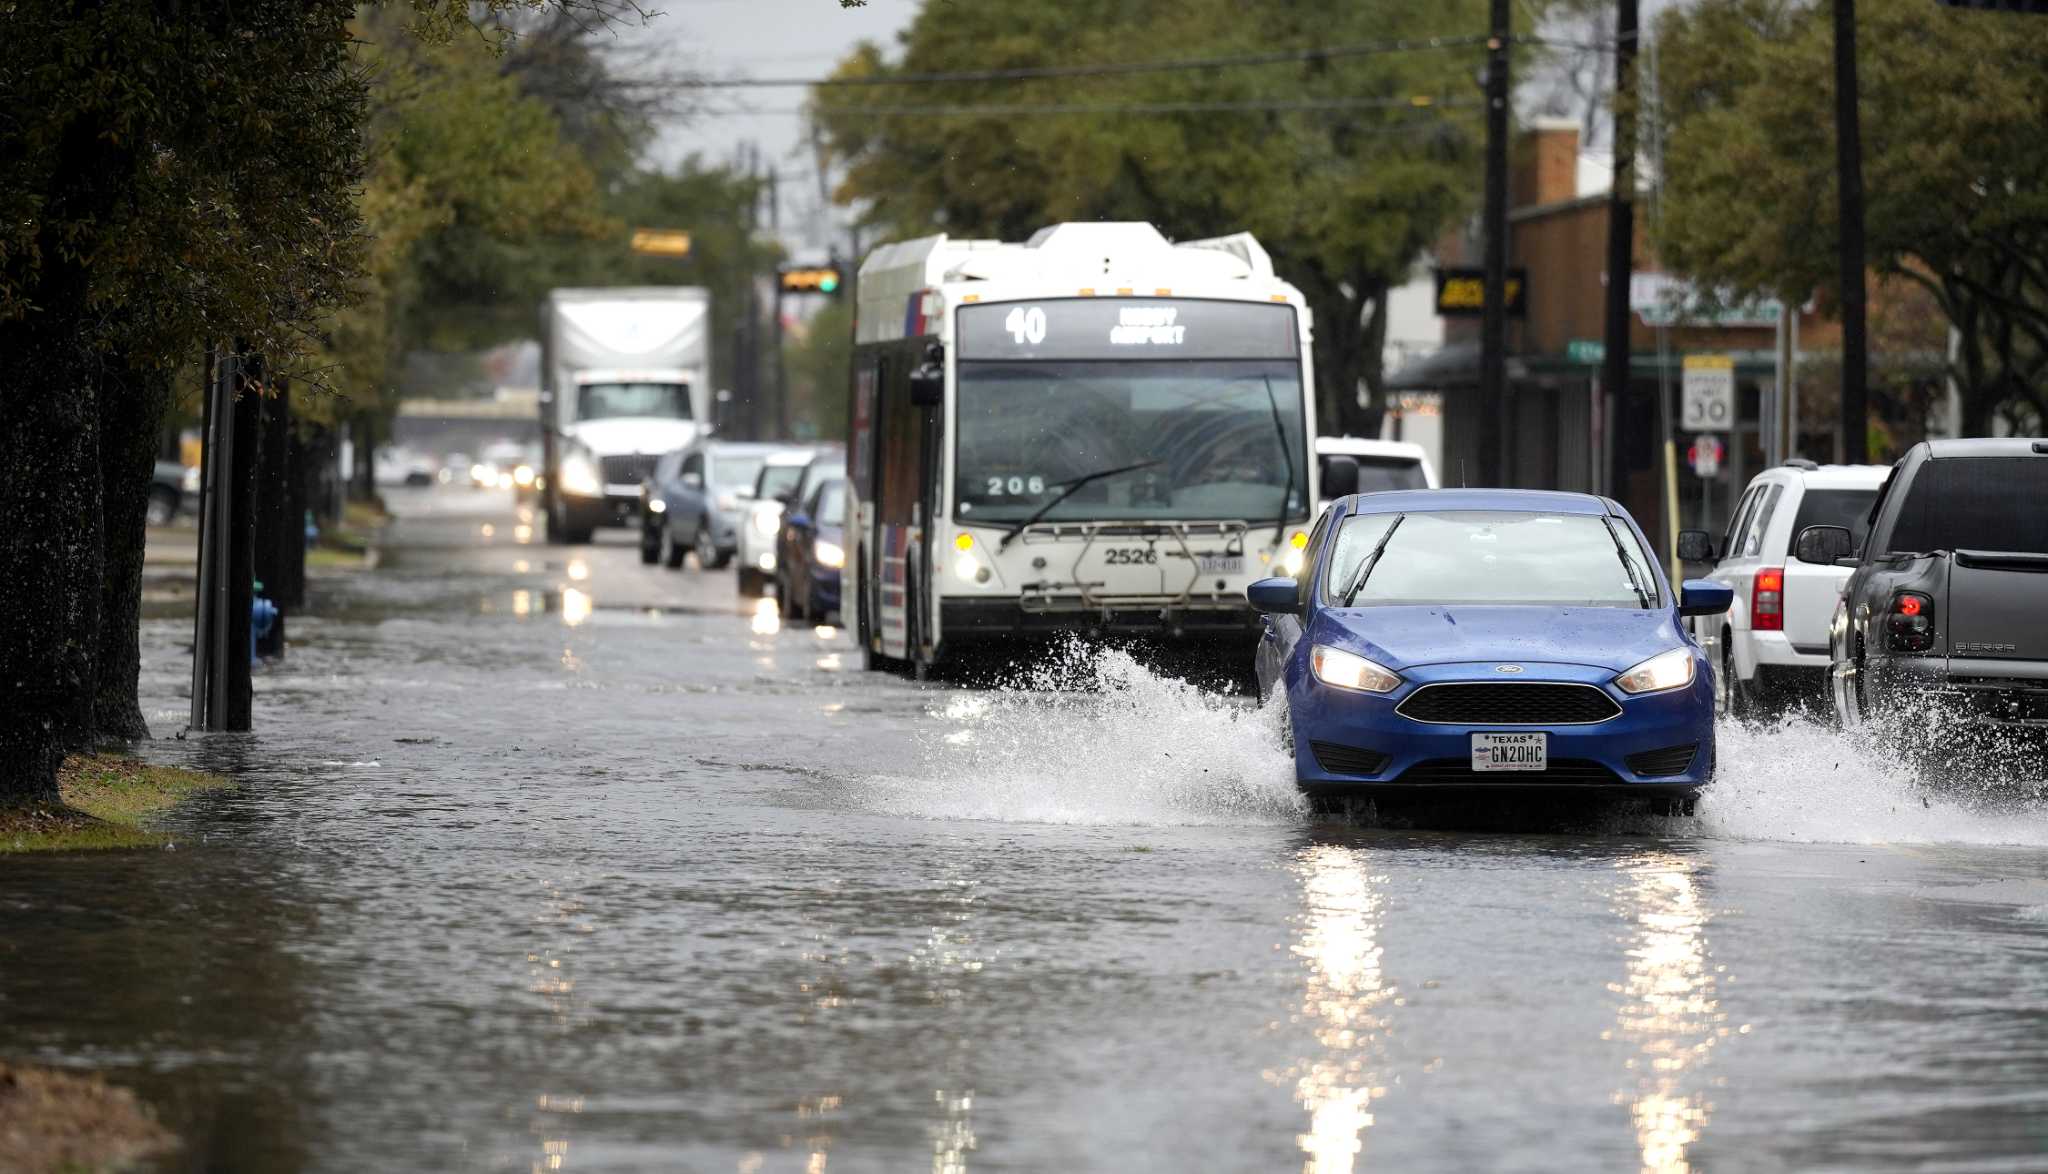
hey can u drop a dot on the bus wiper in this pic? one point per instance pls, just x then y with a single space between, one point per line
1372 560
1064 494
1642 596
1280 429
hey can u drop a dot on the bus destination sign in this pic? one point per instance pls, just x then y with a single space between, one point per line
1126 328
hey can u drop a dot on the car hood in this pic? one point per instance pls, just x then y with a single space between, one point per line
647 435
1401 637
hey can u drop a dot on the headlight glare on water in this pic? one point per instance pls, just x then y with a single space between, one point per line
1348 670
1666 670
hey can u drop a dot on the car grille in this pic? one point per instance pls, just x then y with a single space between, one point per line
629 469
1455 771
1347 760
1486 703
1657 764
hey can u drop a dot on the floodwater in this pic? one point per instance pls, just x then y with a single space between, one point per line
544 860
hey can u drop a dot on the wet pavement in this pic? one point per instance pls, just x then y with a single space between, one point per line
546 860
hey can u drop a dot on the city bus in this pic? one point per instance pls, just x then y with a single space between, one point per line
1097 431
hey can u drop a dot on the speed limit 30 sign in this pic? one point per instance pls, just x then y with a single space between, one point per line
1709 394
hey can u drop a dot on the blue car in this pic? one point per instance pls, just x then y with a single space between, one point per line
814 552
1497 640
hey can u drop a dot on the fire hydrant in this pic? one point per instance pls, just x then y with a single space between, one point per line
262 618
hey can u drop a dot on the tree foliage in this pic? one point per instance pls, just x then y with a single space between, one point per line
1345 198
1955 171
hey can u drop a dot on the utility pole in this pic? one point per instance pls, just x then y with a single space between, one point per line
1621 214
1849 211
780 420
1493 327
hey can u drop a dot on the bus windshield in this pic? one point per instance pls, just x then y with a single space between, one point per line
1196 439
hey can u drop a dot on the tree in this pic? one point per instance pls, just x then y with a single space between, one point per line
1346 168
1956 169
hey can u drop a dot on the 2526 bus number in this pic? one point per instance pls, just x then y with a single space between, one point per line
1131 556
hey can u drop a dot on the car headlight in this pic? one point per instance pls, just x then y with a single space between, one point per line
656 506
1348 670
1666 670
480 473
767 520
727 501
523 475
579 477
828 554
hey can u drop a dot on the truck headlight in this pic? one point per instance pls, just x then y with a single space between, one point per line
579 477
1348 670
1666 670
656 505
828 554
767 520
522 476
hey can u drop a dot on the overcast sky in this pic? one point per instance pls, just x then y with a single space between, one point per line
764 38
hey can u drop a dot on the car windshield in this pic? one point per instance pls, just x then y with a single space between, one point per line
735 474
777 479
1209 433
831 503
1847 508
1976 503
1474 557
613 401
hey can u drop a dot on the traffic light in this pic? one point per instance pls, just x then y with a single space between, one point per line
818 279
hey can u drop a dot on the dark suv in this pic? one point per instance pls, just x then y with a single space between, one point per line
1943 626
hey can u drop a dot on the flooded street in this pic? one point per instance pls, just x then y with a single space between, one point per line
547 860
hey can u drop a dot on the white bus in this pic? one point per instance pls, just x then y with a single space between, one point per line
1095 431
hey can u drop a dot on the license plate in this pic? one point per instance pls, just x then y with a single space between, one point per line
1220 564
1491 752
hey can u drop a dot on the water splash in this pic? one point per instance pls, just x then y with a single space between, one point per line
1089 735
1800 780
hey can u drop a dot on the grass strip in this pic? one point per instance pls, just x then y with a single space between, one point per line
109 801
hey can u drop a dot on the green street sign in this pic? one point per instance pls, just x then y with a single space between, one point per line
1585 350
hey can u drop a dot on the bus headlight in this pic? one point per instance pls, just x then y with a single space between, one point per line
828 554
579 477
968 568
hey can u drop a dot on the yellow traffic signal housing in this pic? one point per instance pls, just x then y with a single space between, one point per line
822 279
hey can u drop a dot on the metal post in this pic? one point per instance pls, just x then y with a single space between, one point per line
1792 391
209 481
1621 217
781 371
1849 206
1493 324
1780 449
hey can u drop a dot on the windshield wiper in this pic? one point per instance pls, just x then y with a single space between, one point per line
1372 560
1064 494
1627 564
1280 430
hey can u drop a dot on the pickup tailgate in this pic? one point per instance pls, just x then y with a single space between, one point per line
1997 605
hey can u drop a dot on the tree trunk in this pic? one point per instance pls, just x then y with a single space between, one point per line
1341 355
130 430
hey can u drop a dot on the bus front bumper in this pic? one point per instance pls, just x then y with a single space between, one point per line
970 620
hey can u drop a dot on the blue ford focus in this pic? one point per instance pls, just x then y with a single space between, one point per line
1509 640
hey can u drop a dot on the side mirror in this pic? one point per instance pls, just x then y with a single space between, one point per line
928 380
1340 476
1695 546
1824 545
694 480
1275 596
785 499
1704 597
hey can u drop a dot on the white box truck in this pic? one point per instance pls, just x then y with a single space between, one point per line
625 377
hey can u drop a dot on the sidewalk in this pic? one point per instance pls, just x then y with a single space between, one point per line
170 565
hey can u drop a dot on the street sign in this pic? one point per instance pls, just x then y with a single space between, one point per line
661 242
1585 350
1709 400
1705 455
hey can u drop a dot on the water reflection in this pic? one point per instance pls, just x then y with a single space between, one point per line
1670 1015
579 570
575 606
1339 943
767 618
549 969
953 1135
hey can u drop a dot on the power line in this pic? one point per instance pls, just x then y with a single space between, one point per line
1107 69
1418 102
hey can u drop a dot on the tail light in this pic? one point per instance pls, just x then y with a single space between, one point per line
1767 600
1909 625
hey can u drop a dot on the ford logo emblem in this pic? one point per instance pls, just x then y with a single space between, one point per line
1507 668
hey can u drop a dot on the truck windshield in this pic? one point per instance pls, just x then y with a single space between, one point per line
612 401
1219 439
1975 503
776 480
1474 557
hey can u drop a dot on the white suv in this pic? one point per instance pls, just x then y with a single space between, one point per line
1772 645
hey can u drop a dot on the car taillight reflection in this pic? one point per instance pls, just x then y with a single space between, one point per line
1767 600
1909 626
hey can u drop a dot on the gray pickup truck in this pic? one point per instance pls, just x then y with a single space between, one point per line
1943 624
